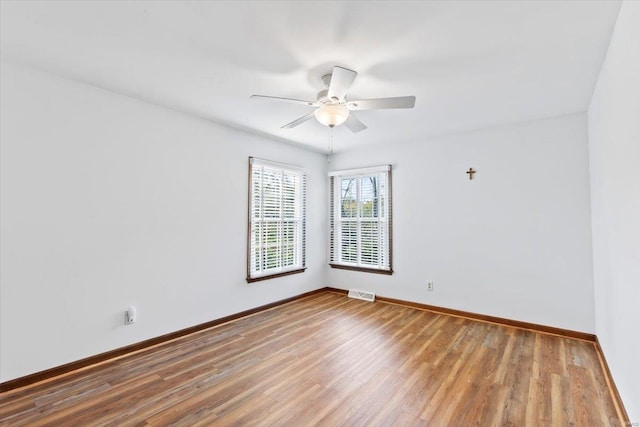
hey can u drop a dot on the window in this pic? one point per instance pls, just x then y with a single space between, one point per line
277 198
360 204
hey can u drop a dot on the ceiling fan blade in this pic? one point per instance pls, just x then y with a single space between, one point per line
378 103
288 100
354 124
296 122
341 80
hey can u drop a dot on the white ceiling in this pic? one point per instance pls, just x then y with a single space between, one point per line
470 64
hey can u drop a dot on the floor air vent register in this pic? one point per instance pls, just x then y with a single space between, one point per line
363 295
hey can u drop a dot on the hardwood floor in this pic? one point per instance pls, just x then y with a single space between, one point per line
333 361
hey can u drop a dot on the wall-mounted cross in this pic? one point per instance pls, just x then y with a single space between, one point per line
471 172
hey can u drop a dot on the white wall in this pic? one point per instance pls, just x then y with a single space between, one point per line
614 146
108 201
515 242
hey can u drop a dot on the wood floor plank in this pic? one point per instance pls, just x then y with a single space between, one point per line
329 360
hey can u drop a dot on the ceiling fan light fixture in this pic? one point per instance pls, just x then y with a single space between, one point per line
332 114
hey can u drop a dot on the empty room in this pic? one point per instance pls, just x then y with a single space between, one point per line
331 213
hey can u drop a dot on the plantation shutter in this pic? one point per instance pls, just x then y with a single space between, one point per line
360 219
277 219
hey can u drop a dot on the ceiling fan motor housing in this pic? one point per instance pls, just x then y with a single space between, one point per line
326 80
322 97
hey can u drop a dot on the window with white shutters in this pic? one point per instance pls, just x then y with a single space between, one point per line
277 199
360 226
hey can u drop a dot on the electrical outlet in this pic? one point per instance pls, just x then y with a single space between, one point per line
430 286
130 315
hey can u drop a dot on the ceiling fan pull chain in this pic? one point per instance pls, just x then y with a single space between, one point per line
330 141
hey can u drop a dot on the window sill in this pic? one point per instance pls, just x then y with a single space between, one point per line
273 276
363 269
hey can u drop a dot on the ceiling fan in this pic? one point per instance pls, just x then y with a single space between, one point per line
333 108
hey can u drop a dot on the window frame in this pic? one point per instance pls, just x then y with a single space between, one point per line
336 220
299 220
